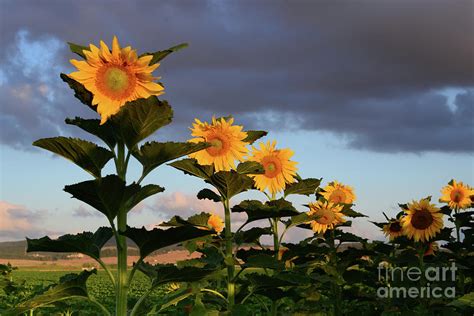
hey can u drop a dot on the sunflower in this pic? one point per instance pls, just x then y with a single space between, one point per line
457 195
422 220
216 223
115 77
279 169
336 192
393 229
327 215
227 143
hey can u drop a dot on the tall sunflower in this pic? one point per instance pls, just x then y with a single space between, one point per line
336 192
115 76
227 143
457 195
279 169
393 229
327 216
422 220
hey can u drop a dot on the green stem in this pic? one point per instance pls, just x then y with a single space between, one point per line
122 285
456 223
109 273
276 242
140 301
213 292
229 256
132 272
335 287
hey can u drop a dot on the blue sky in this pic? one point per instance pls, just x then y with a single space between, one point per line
378 108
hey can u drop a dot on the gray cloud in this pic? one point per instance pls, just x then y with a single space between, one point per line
370 71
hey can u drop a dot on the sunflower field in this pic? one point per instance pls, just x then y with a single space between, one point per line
425 267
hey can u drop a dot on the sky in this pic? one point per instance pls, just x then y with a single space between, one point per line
378 95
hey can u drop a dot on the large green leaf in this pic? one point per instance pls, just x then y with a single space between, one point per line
252 235
86 243
192 167
92 126
78 49
138 119
153 154
159 55
199 220
80 92
209 194
230 183
252 136
348 211
70 286
303 187
109 195
256 210
151 240
250 167
86 155
166 273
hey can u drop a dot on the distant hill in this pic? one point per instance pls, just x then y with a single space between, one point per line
17 250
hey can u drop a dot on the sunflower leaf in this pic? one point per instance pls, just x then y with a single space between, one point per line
199 220
92 126
351 213
166 273
109 195
253 136
151 240
208 194
160 55
72 285
78 49
138 119
250 167
230 183
190 166
303 187
86 243
80 92
86 155
256 210
252 235
153 154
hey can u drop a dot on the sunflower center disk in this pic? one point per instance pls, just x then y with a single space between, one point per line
272 167
116 79
326 217
395 227
217 146
422 219
456 196
338 196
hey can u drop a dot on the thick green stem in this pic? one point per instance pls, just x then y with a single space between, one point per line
335 287
229 257
122 282
276 240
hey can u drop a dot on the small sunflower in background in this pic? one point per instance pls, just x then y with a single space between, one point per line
115 77
432 248
279 169
393 229
457 195
327 215
336 192
422 220
226 139
216 223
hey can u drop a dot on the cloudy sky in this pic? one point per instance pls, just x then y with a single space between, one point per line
375 94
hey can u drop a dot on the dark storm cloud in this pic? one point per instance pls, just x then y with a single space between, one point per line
371 71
